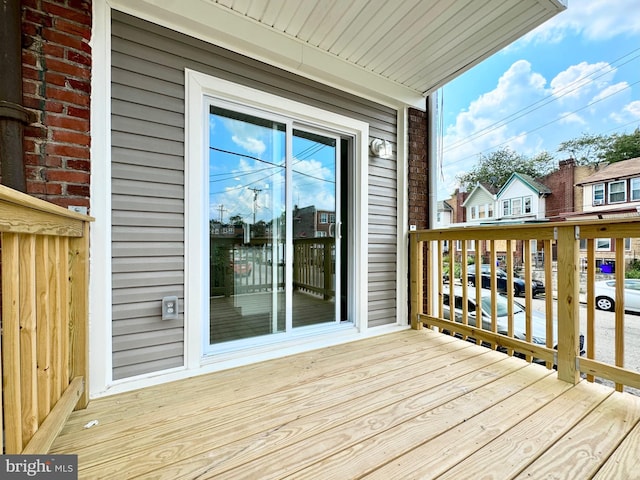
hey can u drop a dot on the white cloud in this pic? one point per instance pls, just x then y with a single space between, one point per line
250 144
581 80
595 20
570 117
628 114
609 91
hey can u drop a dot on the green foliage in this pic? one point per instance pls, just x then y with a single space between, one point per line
590 149
586 149
495 168
633 269
622 147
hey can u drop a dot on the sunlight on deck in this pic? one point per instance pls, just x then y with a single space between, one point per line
415 404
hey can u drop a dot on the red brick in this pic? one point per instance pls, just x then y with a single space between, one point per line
78 190
54 107
53 161
77 57
78 112
68 96
35 131
66 201
66 136
67 176
83 165
67 150
40 18
74 15
73 28
68 68
30 88
29 73
83 5
31 158
55 78
81 85
62 121
30 58
53 188
53 50
54 36
36 187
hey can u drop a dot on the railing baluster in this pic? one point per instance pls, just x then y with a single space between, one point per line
548 304
510 299
591 302
620 309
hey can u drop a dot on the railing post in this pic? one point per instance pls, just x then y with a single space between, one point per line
328 273
568 303
416 281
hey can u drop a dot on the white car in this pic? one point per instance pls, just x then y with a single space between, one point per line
605 293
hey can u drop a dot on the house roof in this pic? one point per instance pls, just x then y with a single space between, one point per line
395 52
614 171
529 181
443 206
490 190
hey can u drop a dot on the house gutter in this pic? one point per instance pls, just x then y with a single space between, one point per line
13 116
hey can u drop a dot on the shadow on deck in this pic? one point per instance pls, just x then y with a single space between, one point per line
415 404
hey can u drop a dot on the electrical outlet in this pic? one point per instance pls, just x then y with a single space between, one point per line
170 308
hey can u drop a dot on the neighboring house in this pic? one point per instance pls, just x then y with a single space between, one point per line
611 192
480 204
565 198
521 198
177 109
444 216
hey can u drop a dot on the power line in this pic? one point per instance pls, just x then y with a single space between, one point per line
544 125
566 90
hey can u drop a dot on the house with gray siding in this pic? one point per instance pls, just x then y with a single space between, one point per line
211 123
214 110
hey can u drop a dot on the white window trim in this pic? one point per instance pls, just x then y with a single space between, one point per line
199 86
593 194
624 183
631 196
603 249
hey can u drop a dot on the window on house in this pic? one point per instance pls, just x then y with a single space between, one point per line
332 218
627 244
482 211
635 188
617 191
603 244
473 212
583 244
506 208
324 218
598 194
490 210
527 205
516 206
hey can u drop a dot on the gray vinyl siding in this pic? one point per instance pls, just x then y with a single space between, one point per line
148 63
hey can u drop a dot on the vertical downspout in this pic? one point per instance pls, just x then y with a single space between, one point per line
432 159
12 114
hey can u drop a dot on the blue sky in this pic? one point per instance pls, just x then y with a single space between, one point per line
577 73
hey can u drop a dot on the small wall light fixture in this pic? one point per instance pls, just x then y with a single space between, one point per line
381 148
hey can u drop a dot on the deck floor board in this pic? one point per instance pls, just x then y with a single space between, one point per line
414 404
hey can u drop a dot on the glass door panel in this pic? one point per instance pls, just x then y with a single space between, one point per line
247 158
316 226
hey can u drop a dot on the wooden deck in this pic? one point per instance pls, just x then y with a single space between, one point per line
414 404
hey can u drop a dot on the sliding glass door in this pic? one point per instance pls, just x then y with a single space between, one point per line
274 214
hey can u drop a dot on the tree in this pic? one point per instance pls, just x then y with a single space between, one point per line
622 147
495 168
590 149
587 149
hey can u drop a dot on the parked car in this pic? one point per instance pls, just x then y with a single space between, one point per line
605 293
538 320
519 285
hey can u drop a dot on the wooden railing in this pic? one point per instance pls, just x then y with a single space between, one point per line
314 265
567 281
45 278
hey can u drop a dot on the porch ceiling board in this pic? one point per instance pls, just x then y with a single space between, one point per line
397 51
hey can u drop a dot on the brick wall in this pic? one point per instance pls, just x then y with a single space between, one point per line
418 180
56 68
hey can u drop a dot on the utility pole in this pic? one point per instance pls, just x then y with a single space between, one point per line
255 191
221 209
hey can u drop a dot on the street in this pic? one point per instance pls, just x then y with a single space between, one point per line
605 337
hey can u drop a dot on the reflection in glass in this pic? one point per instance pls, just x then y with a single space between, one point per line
314 228
247 225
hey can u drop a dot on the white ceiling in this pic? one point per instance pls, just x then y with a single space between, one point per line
394 50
